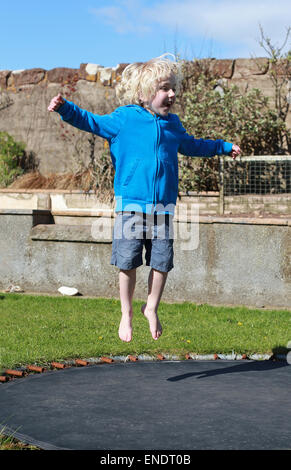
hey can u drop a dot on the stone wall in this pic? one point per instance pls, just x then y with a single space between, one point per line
59 148
231 262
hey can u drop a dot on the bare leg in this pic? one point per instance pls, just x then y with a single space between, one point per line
126 287
156 284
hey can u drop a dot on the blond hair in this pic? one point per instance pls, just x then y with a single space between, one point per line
139 81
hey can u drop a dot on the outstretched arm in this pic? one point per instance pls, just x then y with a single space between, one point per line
106 126
192 147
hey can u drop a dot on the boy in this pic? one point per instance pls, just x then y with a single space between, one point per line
144 139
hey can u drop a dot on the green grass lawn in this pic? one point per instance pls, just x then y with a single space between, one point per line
39 329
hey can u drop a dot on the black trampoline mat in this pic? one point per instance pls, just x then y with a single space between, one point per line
161 405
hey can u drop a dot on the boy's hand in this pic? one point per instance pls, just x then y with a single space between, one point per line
236 151
56 103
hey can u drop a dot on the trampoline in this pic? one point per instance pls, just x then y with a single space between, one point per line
154 405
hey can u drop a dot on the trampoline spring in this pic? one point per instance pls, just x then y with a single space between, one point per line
4 378
35 368
81 362
15 373
132 358
58 365
106 359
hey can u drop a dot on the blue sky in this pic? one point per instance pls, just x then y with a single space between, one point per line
66 33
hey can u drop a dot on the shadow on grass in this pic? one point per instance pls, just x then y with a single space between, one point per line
243 366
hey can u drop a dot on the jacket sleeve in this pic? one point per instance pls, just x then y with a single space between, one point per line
200 147
106 126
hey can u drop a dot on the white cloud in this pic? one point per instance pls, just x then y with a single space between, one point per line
123 16
224 20
235 22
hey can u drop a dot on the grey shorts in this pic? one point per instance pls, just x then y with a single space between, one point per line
134 231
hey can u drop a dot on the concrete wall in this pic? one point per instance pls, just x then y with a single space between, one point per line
236 261
25 95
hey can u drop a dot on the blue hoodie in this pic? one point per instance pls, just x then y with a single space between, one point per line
144 151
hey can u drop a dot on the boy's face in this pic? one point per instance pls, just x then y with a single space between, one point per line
164 98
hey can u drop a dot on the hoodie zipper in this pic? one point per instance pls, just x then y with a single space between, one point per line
154 198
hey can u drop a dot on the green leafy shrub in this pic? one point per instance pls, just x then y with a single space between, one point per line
212 110
11 153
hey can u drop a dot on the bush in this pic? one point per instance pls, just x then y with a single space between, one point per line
221 112
11 153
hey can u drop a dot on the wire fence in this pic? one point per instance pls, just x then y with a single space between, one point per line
255 175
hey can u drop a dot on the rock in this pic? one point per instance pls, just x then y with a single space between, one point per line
92 69
219 90
68 290
5 100
105 76
246 67
222 68
95 72
28 77
14 289
63 75
89 72
17 72
4 74
282 68
117 72
119 68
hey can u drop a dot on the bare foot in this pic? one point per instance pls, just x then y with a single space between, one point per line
154 322
125 328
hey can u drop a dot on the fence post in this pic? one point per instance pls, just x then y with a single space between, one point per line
221 185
